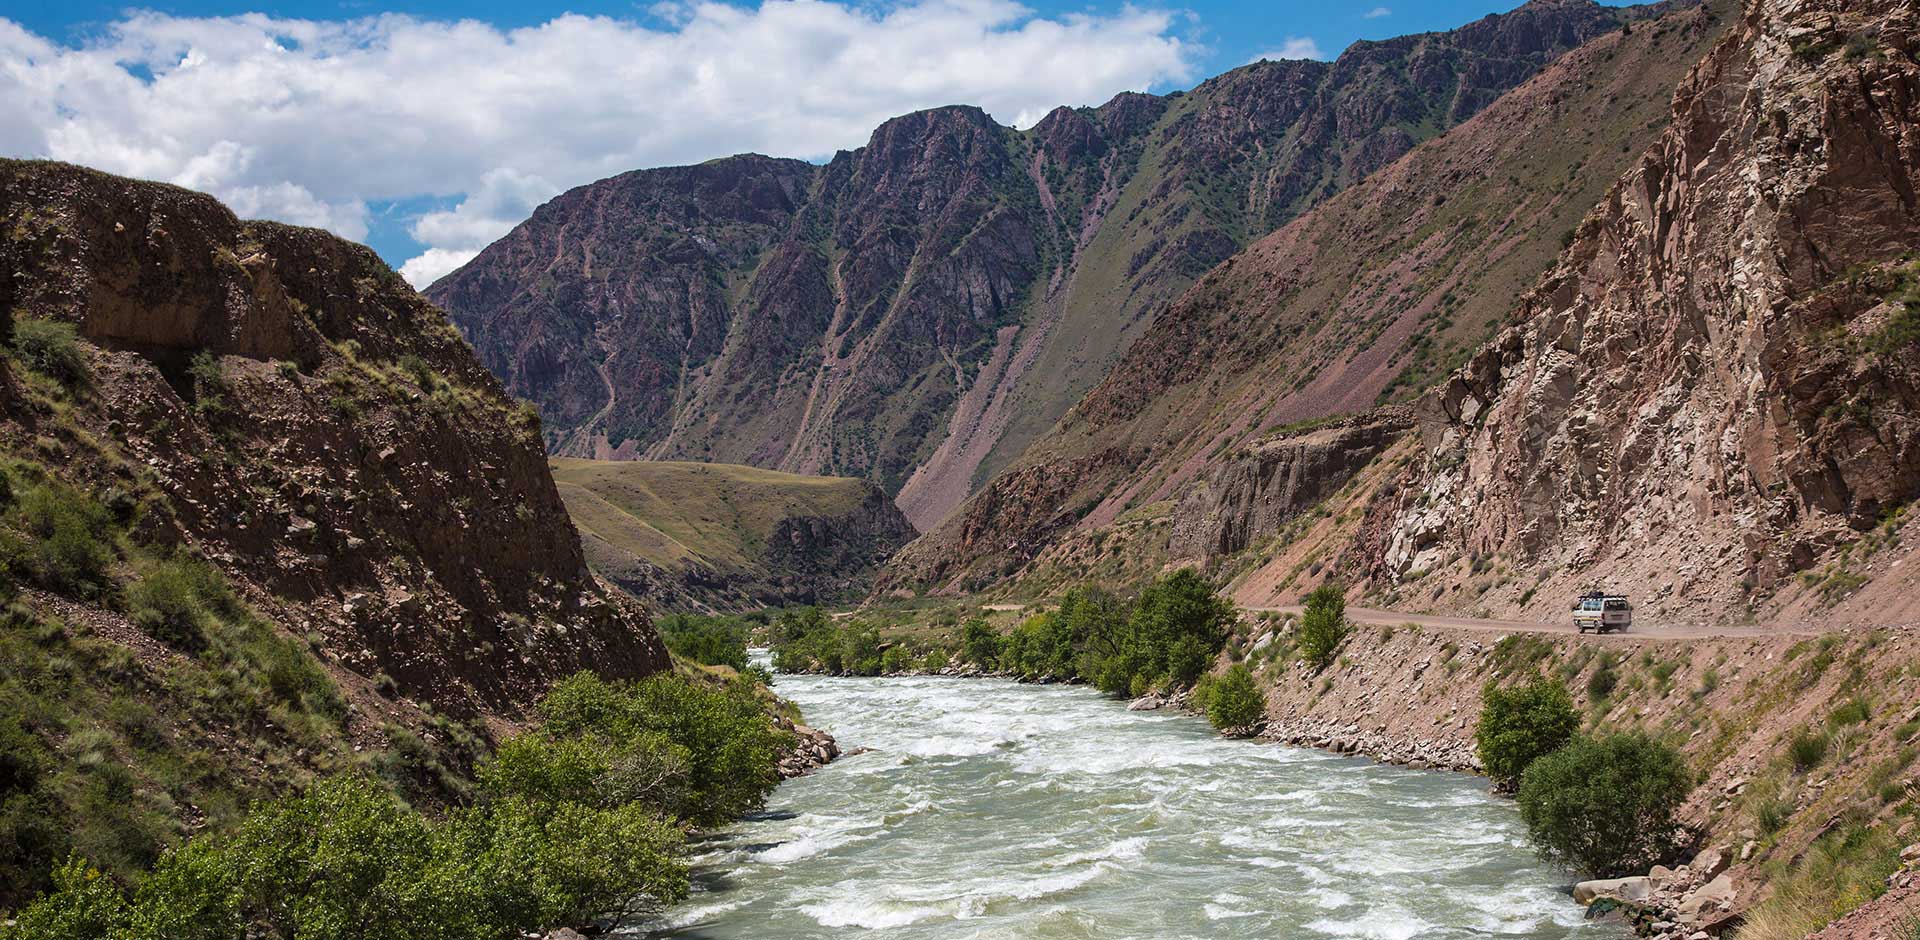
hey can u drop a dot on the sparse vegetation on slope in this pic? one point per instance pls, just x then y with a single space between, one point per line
728 537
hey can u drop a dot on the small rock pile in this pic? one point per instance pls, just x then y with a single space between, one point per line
1692 902
812 750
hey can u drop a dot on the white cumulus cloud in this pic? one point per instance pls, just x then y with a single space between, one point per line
1294 47
310 121
1376 13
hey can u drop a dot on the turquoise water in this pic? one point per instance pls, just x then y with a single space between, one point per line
987 809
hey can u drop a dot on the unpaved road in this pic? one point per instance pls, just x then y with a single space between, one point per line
1650 631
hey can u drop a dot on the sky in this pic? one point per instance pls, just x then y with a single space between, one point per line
427 128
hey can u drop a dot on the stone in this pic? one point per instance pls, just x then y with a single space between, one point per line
1706 896
1712 861
1910 855
1146 703
1636 888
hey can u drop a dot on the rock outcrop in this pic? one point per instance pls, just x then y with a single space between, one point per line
280 403
1250 495
916 311
1718 386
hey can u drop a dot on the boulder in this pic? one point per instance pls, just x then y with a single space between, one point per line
1710 863
1713 892
1636 888
1146 703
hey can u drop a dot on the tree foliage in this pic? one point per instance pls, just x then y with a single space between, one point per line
1324 624
1235 701
1521 724
579 818
1605 806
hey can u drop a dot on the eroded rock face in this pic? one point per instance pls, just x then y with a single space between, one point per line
1713 388
1251 495
302 418
1359 299
919 309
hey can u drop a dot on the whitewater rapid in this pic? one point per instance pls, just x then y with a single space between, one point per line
988 809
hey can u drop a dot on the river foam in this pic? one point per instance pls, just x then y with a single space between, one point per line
986 809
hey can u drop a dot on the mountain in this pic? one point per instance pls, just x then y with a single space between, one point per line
1713 399
728 537
263 518
916 311
1364 300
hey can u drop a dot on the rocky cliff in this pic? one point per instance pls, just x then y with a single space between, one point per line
1368 298
700 536
280 403
1714 390
916 311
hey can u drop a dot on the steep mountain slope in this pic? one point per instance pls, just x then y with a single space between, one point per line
278 402
263 518
728 537
918 310
1365 298
1716 388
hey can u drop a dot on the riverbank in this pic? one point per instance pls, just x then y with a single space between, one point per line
1799 742
1749 711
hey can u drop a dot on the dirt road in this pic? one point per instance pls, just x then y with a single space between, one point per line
1650 631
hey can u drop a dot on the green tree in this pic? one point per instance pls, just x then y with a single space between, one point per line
1324 625
1521 724
1605 806
1172 634
1235 700
979 644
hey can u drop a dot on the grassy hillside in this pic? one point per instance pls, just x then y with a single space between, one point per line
697 535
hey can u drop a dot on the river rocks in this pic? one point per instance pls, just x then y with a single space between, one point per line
812 750
1636 888
1386 747
1147 703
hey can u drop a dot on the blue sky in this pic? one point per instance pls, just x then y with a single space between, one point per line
427 128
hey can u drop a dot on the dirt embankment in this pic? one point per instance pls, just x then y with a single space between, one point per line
1734 704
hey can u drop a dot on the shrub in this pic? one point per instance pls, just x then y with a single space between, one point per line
1808 749
729 742
1605 806
1852 712
1324 625
710 641
1521 724
979 644
1235 700
173 600
51 348
1603 680
1172 633
70 547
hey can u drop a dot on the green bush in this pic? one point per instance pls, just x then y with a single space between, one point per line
1168 639
1605 806
174 598
979 644
1808 749
1324 624
710 641
70 539
722 735
1521 724
1851 712
1603 680
1235 700
51 348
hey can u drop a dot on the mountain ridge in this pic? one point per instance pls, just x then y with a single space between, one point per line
917 310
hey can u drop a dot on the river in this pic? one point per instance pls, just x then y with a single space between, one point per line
989 809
